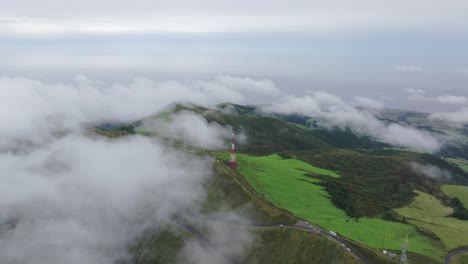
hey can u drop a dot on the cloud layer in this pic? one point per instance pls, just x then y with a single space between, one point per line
460 116
82 200
342 115
68 196
33 111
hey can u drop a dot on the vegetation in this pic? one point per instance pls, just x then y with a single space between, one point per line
428 213
462 163
291 246
372 182
158 248
460 259
349 184
285 184
458 191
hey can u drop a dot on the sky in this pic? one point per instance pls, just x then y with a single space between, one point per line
360 48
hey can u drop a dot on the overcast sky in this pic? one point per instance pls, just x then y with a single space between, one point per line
356 48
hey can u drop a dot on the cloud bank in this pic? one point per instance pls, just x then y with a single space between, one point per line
33 111
342 115
68 196
460 116
419 95
82 200
193 130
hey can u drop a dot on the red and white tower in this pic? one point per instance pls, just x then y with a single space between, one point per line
232 159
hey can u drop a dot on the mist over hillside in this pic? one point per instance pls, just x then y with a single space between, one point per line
89 169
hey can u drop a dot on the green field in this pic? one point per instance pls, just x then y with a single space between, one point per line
284 184
459 191
462 163
428 212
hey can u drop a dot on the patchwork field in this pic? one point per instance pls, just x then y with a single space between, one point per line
428 212
459 191
284 184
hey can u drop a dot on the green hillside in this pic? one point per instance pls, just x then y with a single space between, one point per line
293 168
228 189
285 183
458 191
428 213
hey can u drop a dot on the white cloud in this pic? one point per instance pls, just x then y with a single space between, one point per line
368 102
430 171
419 95
81 200
451 99
68 196
28 105
408 68
192 129
460 116
414 91
342 115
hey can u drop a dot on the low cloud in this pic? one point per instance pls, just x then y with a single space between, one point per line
227 236
451 99
82 200
262 87
68 196
192 129
368 102
430 171
419 95
32 111
342 115
460 116
413 91
408 68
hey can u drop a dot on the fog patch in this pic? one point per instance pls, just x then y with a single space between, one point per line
82 200
33 112
70 196
431 171
457 117
227 236
344 116
192 129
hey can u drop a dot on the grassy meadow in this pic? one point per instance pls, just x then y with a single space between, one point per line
283 183
429 213
459 191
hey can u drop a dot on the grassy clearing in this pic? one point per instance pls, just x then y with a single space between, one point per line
462 163
284 184
459 191
427 212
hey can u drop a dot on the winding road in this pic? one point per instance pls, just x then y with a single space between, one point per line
302 225
453 253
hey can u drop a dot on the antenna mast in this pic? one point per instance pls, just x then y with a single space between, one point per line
232 159
403 252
